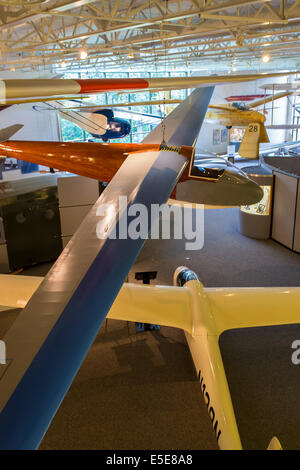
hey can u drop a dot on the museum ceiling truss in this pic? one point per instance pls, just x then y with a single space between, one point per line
38 33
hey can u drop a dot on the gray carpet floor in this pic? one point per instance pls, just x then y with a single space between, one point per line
227 259
139 391
264 384
136 391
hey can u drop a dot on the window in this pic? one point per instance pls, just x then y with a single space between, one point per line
139 130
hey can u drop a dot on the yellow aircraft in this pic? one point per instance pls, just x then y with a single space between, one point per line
233 115
236 115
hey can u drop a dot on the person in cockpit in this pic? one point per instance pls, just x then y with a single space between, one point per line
116 127
100 124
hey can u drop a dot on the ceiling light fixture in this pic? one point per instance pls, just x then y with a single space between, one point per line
83 54
265 58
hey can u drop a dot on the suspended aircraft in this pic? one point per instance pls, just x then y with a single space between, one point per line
21 90
84 157
239 114
102 161
100 122
293 86
18 91
236 114
104 123
51 336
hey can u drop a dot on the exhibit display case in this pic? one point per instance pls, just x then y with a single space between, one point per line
255 219
29 222
262 207
286 204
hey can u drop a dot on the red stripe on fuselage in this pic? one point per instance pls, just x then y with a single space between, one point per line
96 85
245 97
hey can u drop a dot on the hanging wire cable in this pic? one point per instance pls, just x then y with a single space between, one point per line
162 114
164 97
22 3
161 107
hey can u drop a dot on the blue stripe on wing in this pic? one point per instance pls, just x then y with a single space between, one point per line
30 409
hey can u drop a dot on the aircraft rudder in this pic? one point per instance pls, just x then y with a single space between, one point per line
249 147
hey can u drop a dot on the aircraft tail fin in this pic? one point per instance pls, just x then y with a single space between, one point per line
274 444
183 124
8 132
255 133
263 137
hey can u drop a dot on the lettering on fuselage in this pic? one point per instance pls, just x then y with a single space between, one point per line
253 128
210 408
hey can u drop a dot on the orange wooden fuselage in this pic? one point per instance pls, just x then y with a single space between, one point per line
94 160
91 159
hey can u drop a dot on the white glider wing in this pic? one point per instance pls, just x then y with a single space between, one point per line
12 90
52 335
203 314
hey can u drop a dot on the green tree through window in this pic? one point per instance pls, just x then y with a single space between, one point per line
139 130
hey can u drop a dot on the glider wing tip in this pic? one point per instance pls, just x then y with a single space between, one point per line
274 444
